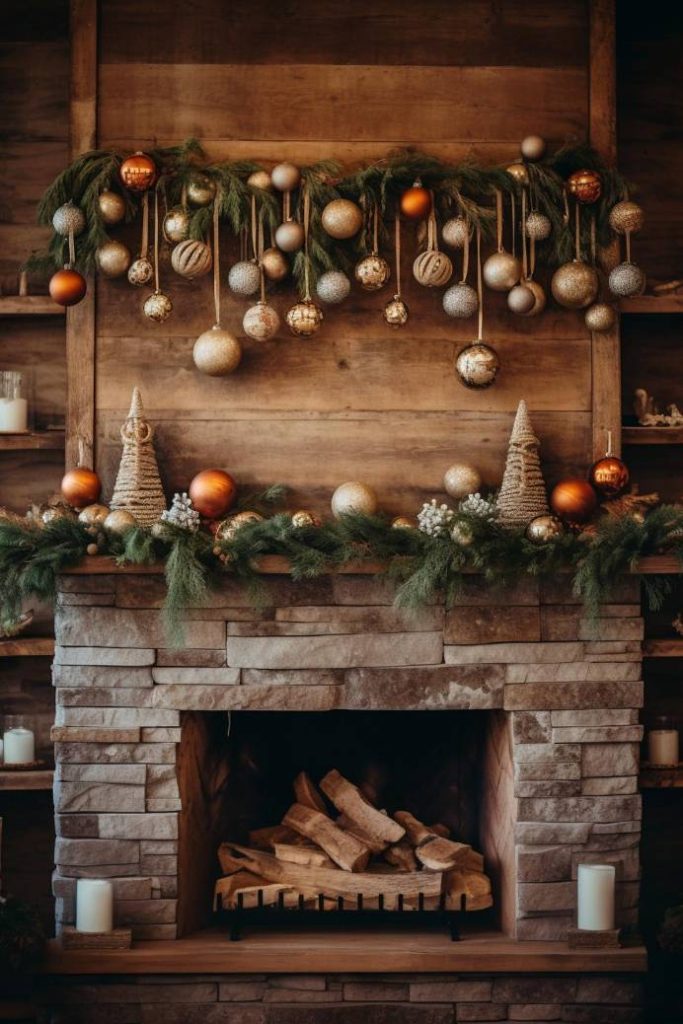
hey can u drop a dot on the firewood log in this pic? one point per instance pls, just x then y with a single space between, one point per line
354 829
435 852
270 895
475 886
345 850
224 887
305 855
348 799
440 830
264 838
307 794
401 855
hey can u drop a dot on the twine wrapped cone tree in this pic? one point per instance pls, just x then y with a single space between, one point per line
138 488
522 494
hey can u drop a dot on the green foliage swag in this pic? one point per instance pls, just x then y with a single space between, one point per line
423 569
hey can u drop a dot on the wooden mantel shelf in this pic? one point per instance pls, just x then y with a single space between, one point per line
354 951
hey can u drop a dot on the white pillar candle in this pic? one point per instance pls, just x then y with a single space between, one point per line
663 746
13 415
596 897
19 745
94 905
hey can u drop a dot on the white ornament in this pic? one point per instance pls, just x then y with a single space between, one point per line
244 278
333 286
475 505
435 520
182 514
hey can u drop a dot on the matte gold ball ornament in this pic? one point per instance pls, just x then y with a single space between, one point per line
626 217
372 272
333 286
533 147
217 352
274 263
192 259
140 271
68 219
626 279
285 177
403 523
519 172
303 518
544 529
396 312
342 218
119 521
501 271
432 269
460 301
113 258
304 319
521 300
600 317
290 236
176 225
157 307
573 500
138 172
539 296
201 189
575 285
353 496
456 232
260 179
585 185
244 277
477 365
261 322
461 479
111 207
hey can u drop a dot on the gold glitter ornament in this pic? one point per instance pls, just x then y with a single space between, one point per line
119 522
113 258
285 177
626 218
461 479
244 278
140 271
191 259
353 496
502 271
396 312
403 523
575 285
538 226
372 273
456 232
626 279
93 516
460 301
176 225
217 352
304 318
544 529
342 218
261 322
432 268
477 365
289 236
68 219
305 518
600 317
274 263
201 189
333 286
111 206
230 527
157 307
533 147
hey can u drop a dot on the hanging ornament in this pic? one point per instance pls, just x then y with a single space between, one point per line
533 147
519 172
216 352
626 279
289 236
456 232
138 172
573 500
477 364
244 278
68 218
502 270
403 523
461 479
275 265
539 297
353 497
113 258
191 259
67 287
213 492
93 516
81 487
304 318
333 286
575 285
416 202
304 518
157 306
260 179
432 268
176 226
538 226
261 322
609 475
119 521
396 312
372 273
585 186
285 177
544 530
521 299
626 218
461 300
342 218
201 189
141 270
600 317
111 207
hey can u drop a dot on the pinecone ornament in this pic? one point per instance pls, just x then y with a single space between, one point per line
181 513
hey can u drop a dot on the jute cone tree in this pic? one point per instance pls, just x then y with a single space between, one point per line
522 494
138 488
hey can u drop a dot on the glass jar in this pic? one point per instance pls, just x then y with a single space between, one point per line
13 403
18 741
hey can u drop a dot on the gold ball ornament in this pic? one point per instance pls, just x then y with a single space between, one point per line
600 317
544 529
176 225
304 518
432 268
539 297
244 278
285 177
113 258
585 186
275 265
456 232
460 301
532 147
81 487
609 476
519 172
477 365
575 285
213 492
93 516
68 218
191 259
573 500
626 279
261 322
461 479
342 218
138 172
403 523
351 497
140 271
111 207
157 307
67 287
217 352
333 286
230 527
260 179
290 236
461 533
119 521
304 319
626 218
201 189
92 549
502 271
538 226
396 312
372 273
416 202
521 300
54 512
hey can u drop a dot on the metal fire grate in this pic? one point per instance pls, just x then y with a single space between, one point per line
347 912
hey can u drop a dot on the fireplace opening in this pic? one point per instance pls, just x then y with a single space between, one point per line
450 771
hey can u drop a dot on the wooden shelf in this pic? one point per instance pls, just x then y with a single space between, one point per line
40 779
353 950
652 435
672 647
43 440
653 304
27 647
661 778
29 305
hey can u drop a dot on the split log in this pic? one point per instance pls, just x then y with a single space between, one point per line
354 829
440 830
345 850
225 887
348 799
269 896
435 852
472 861
473 884
401 855
307 794
265 838
306 855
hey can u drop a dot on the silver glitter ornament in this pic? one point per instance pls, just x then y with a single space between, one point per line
626 279
461 301
456 232
261 322
333 286
244 278
538 226
372 273
157 307
477 365
396 312
68 218
140 271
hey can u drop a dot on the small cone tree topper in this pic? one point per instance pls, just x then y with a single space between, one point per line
522 494
138 488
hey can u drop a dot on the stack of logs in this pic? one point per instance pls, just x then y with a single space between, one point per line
392 861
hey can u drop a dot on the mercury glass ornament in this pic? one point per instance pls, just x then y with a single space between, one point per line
519 172
575 285
396 312
201 189
353 496
333 286
244 278
373 272
432 268
600 317
260 179
140 271
403 523
539 297
274 263
461 301
626 279
176 225
532 147
626 217
68 218
217 352
303 517
461 479
538 226
342 218
290 236
502 271
119 522
456 231
285 177
261 322
477 365
112 207
543 529
93 516
521 300
304 319
230 527
157 307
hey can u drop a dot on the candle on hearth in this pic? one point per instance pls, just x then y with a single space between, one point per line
18 742
94 905
662 743
596 897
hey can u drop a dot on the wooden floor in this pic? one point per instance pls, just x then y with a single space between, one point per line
352 951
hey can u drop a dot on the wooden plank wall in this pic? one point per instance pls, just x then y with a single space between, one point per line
351 80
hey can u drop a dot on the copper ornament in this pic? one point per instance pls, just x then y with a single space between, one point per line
213 492
81 487
519 172
585 186
67 287
138 172
609 476
573 500
416 202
